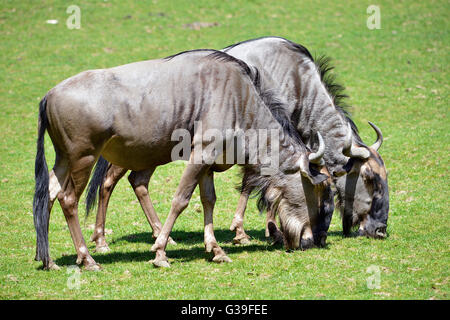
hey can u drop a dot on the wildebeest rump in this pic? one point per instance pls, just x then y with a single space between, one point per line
128 114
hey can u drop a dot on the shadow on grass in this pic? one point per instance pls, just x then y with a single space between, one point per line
341 234
223 236
191 237
353 234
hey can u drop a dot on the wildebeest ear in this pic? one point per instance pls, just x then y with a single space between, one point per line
306 170
345 168
315 176
349 165
367 173
318 178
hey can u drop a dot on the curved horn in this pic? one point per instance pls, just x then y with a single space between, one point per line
316 157
379 141
353 151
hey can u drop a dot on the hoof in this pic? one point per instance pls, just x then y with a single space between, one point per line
52 266
221 258
93 267
277 236
321 240
102 249
244 240
209 247
306 244
159 263
154 248
171 241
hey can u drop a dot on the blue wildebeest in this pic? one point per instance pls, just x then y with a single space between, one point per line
128 114
315 104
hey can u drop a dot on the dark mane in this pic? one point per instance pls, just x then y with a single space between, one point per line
187 51
242 42
217 55
298 48
292 45
222 56
336 90
256 185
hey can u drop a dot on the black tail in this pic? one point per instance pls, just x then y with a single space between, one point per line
96 183
41 193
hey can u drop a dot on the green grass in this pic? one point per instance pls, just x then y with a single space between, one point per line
397 77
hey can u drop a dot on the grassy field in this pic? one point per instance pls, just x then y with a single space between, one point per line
397 77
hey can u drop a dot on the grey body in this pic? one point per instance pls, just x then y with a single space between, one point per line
128 114
133 109
361 187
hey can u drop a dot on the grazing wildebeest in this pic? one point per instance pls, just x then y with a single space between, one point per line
315 104
128 115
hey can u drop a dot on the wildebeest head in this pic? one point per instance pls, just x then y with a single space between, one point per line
297 202
298 198
363 196
294 192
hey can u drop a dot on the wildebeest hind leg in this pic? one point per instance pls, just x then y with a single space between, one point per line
208 198
113 175
238 220
68 198
139 182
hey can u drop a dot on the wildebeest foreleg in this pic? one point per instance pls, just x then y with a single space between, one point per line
271 228
68 198
208 198
183 194
113 175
